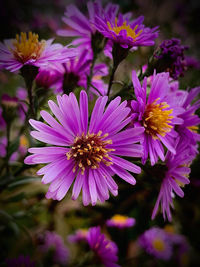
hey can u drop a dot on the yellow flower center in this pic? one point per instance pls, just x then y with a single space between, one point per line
156 119
158 244
27 46
129 31
89 151
119 218
169 229
193 128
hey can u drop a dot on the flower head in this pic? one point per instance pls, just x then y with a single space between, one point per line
175 176
26 49
104 249
158 113
128 33
82 26
171 58
120 221
156 243
88 154
54 242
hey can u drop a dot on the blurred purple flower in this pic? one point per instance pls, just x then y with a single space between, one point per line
120 221
156 243
104 249
158 113
2 121
20 261
80 235
54 243
87 155
171 57
26 49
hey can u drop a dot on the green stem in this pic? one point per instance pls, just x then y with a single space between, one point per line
114 68
91 71
7 147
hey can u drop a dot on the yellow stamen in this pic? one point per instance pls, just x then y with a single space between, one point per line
158 244
129 31
119 218
157 119
27 46
193 128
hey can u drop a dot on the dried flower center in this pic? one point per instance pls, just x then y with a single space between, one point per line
130 32
89 150
158 244
157 119
27 46
119 218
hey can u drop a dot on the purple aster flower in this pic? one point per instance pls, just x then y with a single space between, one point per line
175 176
82 26
156 243
171 58
53 242
20 261
68 76
157 113
90 154
189 129
104 249
120 221
26 49
128 33
80 235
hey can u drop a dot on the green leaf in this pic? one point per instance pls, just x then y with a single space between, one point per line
26 180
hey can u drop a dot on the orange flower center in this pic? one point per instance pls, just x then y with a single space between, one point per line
130 32
27 46
158 244
89 151
119 218
157 119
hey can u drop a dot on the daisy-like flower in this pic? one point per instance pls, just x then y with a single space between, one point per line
156 243
175 176
120 221
68 76
104 249
82 26
80 235
88 154
26 49
189 129
158 113
54 242
128 33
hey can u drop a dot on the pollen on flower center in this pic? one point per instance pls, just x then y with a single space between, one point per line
27 46
130 32
89 150
157 119
119 218
158 244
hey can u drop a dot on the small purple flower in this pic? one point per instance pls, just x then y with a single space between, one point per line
20 261
156 243
82 26
104 249
80 235
54 242
67 76
128 33
26 49
90 154
171 57
189 129
158 113
175 176
120 221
